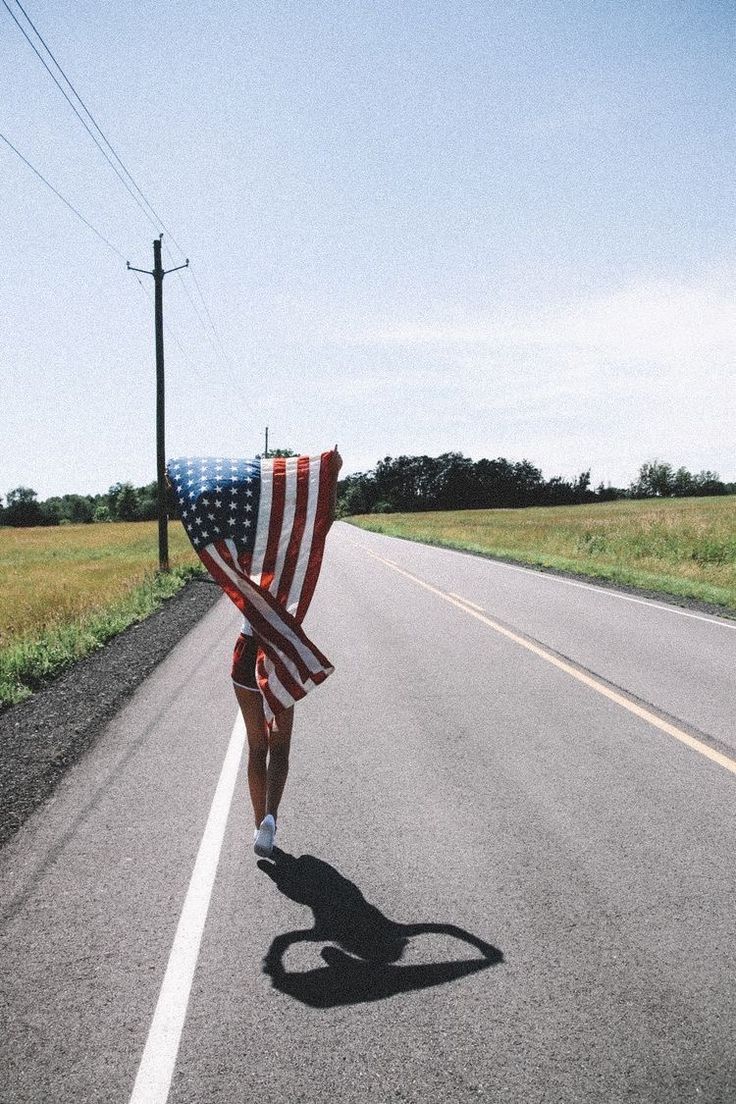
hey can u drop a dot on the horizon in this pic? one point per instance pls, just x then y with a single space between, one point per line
545 476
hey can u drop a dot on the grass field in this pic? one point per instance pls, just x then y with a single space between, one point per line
684 547
65 591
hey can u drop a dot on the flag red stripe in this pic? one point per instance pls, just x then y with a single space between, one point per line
274 703
270 640
292 685
223 580
241 566
319 536
297 531
285 654
263 627
282 616
276 520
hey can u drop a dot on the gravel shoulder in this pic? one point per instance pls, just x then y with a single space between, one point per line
42 737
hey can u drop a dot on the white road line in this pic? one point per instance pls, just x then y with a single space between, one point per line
591 681
153 1081
550 578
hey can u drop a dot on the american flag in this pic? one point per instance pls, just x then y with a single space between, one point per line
259 527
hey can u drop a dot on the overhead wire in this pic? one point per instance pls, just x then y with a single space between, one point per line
140 198
99 129
62 198
221 354
227 407
92 135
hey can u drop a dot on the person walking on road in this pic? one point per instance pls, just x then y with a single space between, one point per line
259 527
269 743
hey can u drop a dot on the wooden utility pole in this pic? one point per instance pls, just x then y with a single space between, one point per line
265 451
158 284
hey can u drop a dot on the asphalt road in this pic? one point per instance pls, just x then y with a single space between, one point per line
510 817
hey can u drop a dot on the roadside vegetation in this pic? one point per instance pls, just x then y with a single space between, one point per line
64 592
77 569
680 546
454 482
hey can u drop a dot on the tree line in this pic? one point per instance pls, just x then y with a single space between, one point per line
405 483
452 481
122 502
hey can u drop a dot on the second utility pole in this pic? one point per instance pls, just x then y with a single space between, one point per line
158 283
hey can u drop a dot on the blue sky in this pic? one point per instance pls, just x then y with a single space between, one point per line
501 228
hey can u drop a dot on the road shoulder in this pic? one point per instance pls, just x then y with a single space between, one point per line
44 736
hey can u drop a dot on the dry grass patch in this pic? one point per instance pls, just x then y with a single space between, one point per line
684 547
65 590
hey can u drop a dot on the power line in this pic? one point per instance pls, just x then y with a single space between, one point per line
226 359
140 199
92 135
61 197
143 199
225 409
98 128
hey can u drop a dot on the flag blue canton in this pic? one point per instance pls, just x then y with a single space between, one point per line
218 498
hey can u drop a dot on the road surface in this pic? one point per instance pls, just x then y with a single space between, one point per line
510 817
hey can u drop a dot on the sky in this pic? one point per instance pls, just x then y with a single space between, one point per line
500 228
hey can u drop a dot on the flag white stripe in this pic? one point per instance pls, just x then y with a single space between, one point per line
232 548
305 548
291 667
264 518
287 522
277 688
261 606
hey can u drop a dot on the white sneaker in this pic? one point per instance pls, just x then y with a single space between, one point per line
263 838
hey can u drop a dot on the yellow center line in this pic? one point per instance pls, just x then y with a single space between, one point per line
718 757
466 601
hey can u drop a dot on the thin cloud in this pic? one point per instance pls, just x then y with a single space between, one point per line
657 323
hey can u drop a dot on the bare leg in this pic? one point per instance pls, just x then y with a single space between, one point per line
251 706
279 744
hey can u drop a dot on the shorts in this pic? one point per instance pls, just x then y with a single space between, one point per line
244 662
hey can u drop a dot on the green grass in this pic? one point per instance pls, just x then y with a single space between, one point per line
66 591
682 547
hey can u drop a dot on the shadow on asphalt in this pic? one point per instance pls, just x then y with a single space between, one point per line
364 965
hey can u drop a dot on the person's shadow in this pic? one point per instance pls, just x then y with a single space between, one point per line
364 964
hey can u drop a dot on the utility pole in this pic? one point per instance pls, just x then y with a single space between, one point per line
158 283
265 451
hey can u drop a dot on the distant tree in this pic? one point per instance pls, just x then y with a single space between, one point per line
77 508
122 501
655 480
494 483
354 496
112 496
528 481
708 483
23 508
147 509
127 503
52 512
453 482
608 493
561 492
272 453
101 512
682 483
658 480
